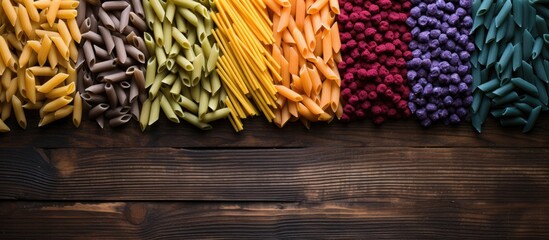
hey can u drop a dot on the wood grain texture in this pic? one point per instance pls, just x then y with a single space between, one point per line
258 132
168 220
297 174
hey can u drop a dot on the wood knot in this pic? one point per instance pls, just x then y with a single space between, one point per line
136 213
65 163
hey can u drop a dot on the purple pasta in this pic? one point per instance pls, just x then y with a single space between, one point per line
439 74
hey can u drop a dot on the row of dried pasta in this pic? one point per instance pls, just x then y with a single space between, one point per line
200 61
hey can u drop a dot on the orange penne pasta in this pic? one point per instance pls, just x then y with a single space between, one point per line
273 6
300 42
309 33
327 48
288 93
300 13
334 6
284 115
292 109
293 61
283 3
325 69
296 84
317 22
306 113
312 105
334 98
305 80
316 82
325 95
287 36
315 7
336 41
284 19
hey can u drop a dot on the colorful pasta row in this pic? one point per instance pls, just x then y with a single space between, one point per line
511 64
247 69
307 48
180 77
111 66
37 61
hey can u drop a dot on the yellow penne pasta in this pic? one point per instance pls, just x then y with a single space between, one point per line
56 104
52 83
52 12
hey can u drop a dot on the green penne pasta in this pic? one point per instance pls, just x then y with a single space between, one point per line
541 25
542 92
216 82
492 57
145 114
202 11
208 26
149 13
542 10
534 114
497 113
203 103
502 31
483 110
513 121
201 31
170 11
184 63
532 101
215 115
188 15
149 42
527 71
489 16
504 90
213 103
206 84
180 38
155 111
478 21
483 55
176 108
192 119
510 32
180 23
517 56
484 7
518 12
176 87
167 109
174 51
212 58
525 108
477 79
167 35
185 78
190 4
546 38
157 9
474 60
491 35
195 92
539 69
188 104
160 59
477 121
475 6
529 17
527 44
503 13
151 72
158 32
489 86
511 112
504 58
155 87
198 63
511 97
506 75
526 86
536 50
479 38
169 79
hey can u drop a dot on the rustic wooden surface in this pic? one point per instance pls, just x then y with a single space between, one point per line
338 181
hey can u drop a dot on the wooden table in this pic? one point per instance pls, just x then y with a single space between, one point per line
338 181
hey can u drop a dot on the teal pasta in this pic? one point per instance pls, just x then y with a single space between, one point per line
511 65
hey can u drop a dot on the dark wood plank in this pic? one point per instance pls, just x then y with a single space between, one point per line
260 133
397 220
301 174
